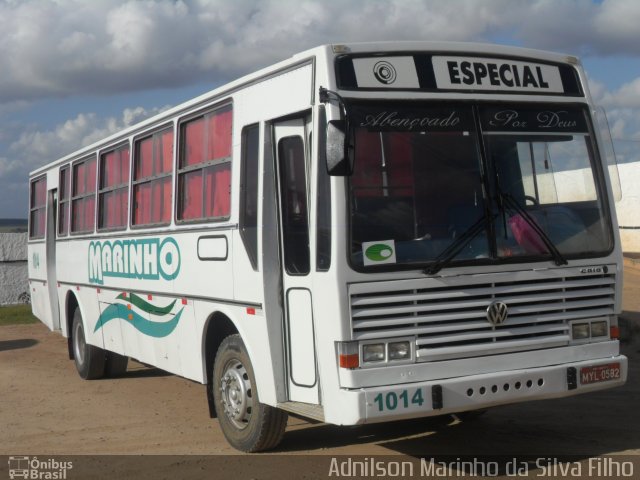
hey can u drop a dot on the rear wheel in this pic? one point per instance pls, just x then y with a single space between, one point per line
89 359
247 424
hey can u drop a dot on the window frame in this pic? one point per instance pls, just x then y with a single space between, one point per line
113 188
133 182
287 223
249 238
87 159
37 208
202 166
64 201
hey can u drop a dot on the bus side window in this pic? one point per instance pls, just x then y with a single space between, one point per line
83 196
63 204
249 192
38 208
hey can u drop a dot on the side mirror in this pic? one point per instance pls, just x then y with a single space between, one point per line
339 156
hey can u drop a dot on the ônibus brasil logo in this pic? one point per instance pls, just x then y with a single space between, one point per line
147 258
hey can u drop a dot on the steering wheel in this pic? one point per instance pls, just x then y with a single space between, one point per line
533 200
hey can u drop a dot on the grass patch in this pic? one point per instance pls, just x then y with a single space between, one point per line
16 315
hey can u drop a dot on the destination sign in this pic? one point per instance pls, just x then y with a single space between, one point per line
464 73
461 73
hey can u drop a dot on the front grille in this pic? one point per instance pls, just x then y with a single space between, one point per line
448 316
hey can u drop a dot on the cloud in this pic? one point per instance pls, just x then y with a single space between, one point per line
622 106
628 95
33 147
68 47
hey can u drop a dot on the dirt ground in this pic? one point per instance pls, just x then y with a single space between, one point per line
46 409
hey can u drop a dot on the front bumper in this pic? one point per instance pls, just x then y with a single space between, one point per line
429 398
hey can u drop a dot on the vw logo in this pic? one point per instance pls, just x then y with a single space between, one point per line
384 72
497 313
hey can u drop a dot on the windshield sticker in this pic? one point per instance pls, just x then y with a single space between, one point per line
385 117
380 252
547 118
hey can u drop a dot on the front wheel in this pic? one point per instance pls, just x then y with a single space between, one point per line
247 424
89 359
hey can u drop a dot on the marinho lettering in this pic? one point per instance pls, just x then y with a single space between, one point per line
147 258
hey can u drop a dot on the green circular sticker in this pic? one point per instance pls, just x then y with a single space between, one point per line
378 252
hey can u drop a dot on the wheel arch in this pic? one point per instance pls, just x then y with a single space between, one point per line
70 305
217 327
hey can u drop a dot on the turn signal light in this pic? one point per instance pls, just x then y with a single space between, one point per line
348 354
614 332
349 361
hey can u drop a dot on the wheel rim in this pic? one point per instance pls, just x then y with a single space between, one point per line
79 343
237 395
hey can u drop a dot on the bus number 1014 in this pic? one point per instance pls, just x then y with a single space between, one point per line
404 399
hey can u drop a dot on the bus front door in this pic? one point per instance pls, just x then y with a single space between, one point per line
292 154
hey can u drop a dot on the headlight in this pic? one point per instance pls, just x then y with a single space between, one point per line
599 329
373 352
399 350
580 331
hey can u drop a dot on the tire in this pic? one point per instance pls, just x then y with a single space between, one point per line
247 424
89 359
115 365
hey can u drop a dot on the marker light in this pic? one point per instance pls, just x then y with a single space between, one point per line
340 49
373 352
399 350
580 331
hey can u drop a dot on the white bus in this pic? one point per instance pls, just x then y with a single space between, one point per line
359 234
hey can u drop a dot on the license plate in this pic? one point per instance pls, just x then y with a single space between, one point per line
599 373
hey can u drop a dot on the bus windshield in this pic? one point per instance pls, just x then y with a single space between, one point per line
424 190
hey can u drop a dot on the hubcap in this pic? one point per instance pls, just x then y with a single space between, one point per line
237 395
79 343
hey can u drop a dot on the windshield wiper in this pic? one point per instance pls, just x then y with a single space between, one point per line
514 205
448 254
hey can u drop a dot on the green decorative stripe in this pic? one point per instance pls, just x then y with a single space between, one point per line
147 327
146 306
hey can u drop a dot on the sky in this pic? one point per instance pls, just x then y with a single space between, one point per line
75 71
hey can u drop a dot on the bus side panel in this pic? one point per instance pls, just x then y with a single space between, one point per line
203 273
111 331
37 282
177 351
90 311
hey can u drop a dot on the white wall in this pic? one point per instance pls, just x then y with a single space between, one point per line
572 185
628 208
13 267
